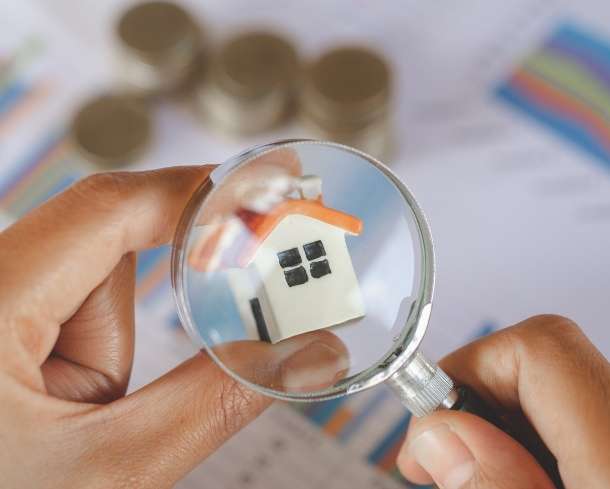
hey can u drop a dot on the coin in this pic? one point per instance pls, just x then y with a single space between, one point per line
159 44
251 85
111 130
345 98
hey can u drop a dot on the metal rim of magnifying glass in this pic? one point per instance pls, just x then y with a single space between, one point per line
412 332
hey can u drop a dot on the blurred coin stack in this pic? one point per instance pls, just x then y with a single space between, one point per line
159 45
159 49
111 129
251 84
345 98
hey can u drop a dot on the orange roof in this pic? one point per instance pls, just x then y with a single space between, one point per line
235 242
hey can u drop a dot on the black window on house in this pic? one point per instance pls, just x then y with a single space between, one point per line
319 268
295 273
314 250
289 258
295 276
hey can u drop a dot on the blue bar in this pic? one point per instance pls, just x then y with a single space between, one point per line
321 412
391 439
10 96
563 126
61 184
31 161
369 408
572 35
486 329
147 260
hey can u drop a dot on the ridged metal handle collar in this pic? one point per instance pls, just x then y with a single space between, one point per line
422 386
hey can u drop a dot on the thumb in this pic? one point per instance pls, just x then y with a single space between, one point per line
458 450
155 436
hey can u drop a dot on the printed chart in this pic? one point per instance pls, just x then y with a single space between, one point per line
565 85
472 194
37 166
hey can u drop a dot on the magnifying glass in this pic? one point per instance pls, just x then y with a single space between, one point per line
305 269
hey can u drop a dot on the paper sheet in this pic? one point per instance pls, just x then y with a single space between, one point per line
520 212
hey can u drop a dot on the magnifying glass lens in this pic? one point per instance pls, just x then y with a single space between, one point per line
302 268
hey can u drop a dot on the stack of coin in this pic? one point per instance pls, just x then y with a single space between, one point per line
251 84
159 47
345 98
111 130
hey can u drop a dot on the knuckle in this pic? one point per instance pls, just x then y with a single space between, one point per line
104 190
545 332
555 329
105 388
236 404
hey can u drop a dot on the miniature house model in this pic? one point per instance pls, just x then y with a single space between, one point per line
289 268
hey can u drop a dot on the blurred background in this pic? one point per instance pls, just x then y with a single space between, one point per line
495 114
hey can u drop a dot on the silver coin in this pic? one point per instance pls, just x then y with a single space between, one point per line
251 84
158 46
345 98
111 130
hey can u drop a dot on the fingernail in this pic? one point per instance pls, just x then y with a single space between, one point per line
315 366
442 453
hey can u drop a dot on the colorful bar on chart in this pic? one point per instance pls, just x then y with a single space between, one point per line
385 453
51 167
358 420
152 273
17 105
46 170
20 89
565 85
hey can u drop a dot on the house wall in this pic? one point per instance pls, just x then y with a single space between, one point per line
246 284
320 302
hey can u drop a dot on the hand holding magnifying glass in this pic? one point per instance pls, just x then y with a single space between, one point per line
67 338
343 251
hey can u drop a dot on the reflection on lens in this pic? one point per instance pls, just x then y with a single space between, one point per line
299 270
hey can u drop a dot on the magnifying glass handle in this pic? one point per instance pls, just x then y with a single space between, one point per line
424 387
470 402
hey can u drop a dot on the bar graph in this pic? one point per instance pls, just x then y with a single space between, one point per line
565 85
21 87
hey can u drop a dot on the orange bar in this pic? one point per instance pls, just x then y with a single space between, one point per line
553 98
334 426
54 153
41 91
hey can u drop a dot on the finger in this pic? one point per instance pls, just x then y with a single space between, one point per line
56 255
162 431
92 359
461 451
547 368
287 366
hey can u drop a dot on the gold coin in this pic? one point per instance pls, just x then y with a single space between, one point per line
111 130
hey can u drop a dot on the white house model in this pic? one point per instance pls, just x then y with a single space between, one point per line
289 269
